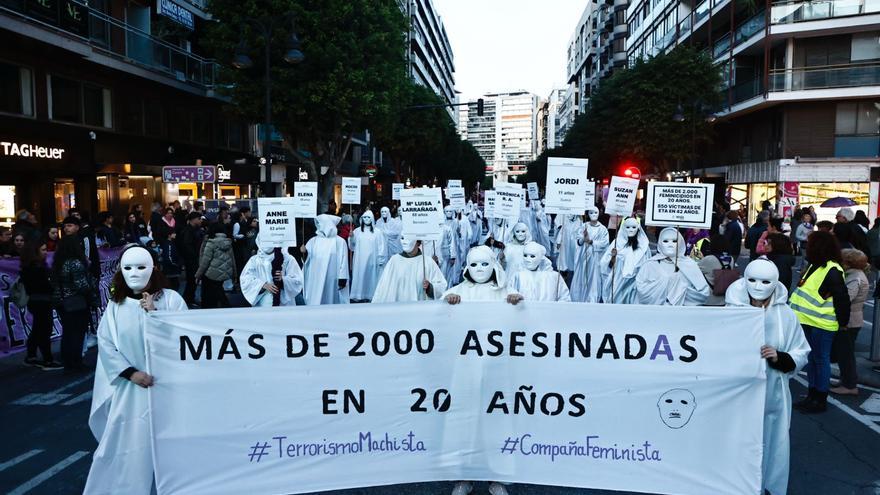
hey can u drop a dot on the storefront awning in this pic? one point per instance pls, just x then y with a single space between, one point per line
798 170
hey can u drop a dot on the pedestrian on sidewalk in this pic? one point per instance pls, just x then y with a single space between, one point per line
35 278
854 262
217 265
74 294
822 305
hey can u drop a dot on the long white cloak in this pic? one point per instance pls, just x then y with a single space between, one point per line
401 280
369 255
462 236
326 264
258 271
540 285
586 283
566 261
658 283
783 332
392 229
619 283
120 414
541 228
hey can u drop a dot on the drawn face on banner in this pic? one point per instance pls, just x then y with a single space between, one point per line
408 244
480 265
593 214
533 255
761 278
631 227
385 213
137 268
449 212
676 407
666 243
520 232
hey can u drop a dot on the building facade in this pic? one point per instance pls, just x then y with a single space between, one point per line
429 55
551 133
507 132
799 123
110 91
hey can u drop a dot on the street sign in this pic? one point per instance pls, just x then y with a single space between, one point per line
189 173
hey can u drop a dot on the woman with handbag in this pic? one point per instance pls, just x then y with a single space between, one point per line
73 294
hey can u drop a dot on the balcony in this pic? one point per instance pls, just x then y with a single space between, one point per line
792 12
743 33
117 40
747 90
825 77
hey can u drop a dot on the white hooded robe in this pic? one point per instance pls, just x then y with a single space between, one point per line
326 264
368 246
659 284
543 284
586 283
783 332
513 250
619 283
120 414
401 280
566 260
391 227
258 271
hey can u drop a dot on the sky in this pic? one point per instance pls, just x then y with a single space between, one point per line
505 45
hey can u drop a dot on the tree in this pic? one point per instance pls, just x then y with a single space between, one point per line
630 116
353 73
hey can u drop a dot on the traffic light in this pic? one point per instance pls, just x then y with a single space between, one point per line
631 172
480 107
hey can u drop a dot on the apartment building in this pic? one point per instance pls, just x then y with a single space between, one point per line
507 132
551 134
429 55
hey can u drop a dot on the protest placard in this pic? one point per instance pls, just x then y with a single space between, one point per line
611 397
396 187
351 190
533 191
591 194
455 195
453 183
277 225
508 200
678 204
489 206
566 183
305 195
421 211
621 196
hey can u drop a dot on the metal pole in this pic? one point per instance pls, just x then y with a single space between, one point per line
267 136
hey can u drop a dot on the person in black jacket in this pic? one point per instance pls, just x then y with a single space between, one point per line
35 277
733 235
754 233
189 245
781 254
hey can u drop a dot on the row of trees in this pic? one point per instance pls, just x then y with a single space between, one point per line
630 117
354 77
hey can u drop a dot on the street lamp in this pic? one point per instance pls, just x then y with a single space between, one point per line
266 27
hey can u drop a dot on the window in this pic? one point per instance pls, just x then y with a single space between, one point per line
16 90
201 128
154 119
856 118
865 46
131 115
79 103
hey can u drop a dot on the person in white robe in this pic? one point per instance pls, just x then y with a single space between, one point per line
586 283
462 228
540 226
120 412
538 281
410 276
326 267
621 262
785 349
475 217
260 284
670 278
369 252
512 258
391 227
450 247
566 245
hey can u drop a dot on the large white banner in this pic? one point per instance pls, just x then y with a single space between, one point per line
351 190
566 183
621 196
276 220
421 212
304 399
678 204
305 199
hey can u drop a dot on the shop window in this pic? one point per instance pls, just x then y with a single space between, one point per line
16 90
154 119
65 199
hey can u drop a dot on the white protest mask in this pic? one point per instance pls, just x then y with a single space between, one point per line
631 227
385 212
367 218
408 243
533 255
136 265
520 232
449 212
593 214
668 243
761 279
676 407
480 264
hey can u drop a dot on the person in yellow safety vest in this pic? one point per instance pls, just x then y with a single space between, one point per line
822 305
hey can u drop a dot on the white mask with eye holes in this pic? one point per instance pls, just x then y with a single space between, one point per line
533 255
631 227
762 277
480 266
449 212
667 244
520 232
367 219
136 265
408 243
593 215
385 212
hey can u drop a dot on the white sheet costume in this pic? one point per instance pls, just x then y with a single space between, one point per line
513 248
402 278
540 225
258 271
632 249
782 332
391 227
120 414
538 281
451 260
592 241
484 278
475 217
659 283
566 246
369 248
462 227
326 264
